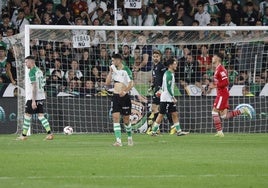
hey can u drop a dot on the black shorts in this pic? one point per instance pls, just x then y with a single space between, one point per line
156 100
38 110
121 104
167 107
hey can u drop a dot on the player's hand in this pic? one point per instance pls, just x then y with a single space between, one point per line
174 100
34 106
150 90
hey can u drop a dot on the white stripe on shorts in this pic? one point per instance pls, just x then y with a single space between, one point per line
219 102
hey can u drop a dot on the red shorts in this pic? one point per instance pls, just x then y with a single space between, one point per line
222 101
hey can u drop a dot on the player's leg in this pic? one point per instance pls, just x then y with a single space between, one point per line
172 110
217 122
27 120
116 110
157 123
26 126
154 113
229 114
220 105
46 125
128 128
126 111
43 119
117 128
235 113
160 116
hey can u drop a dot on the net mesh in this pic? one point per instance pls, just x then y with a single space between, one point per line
77 97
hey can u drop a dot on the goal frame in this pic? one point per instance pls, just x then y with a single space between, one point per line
28 29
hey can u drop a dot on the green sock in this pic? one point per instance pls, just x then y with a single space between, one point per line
26 125
117 131
155 127
177 126
45 124
128 130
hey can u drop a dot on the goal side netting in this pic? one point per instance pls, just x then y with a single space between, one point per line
76 59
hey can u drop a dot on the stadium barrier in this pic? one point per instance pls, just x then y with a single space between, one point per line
194 117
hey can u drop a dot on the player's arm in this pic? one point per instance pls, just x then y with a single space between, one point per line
224 81
34 92
108 80
129 86
169 84
130 81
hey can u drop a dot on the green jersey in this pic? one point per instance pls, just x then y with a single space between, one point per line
168 87
36 76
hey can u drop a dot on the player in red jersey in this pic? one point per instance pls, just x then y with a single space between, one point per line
221 104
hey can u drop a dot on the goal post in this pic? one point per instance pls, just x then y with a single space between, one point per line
67 104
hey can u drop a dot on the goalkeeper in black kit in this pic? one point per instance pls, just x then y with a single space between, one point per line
157 77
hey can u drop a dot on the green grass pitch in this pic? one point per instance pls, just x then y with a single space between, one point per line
87 160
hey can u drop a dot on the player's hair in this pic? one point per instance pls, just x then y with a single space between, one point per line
116 56
157 52
169 62
219 55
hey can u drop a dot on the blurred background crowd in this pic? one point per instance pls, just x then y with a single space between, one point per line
83 71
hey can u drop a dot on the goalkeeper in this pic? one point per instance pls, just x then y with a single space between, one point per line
121 75
157 77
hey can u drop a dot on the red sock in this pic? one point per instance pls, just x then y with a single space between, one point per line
233 114
217 121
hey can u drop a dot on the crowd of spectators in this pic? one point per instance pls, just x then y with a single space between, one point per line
83 71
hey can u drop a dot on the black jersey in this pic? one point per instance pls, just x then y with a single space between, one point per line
158 72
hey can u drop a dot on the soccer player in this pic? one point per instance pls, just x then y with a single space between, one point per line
157 78
121 75
167 100
35 97
221 105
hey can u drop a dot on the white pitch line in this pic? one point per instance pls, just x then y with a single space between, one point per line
134 176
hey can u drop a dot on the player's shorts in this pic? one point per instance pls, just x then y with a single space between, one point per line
221 102
167 107
38 110
156 100
121 104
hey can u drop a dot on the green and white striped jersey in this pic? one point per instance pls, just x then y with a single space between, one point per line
168 87
36 75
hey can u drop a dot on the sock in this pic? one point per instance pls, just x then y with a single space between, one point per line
155 127
45 124
117 132
155 115
169 116
233 114
151 116
177 126
150 120
128 130
26 125
217 121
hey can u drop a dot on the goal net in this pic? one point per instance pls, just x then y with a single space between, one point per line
76 59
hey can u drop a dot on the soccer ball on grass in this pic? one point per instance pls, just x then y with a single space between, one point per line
68 130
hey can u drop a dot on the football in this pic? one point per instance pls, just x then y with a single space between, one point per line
68 130
249 107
